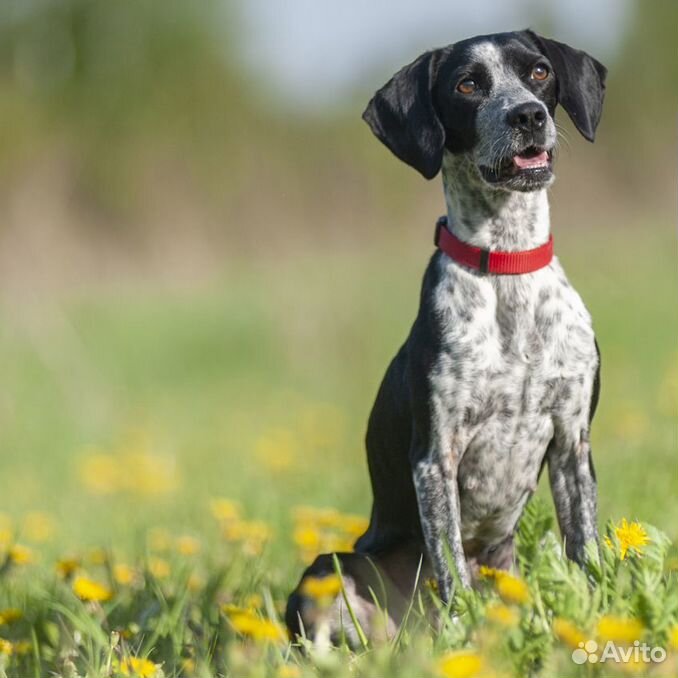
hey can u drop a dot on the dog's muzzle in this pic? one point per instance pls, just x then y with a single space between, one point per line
529 169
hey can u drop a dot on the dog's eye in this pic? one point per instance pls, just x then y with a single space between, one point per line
539 72
467 86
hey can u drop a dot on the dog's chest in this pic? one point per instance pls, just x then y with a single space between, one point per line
516 362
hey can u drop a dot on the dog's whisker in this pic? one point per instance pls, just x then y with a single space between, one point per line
497 153
502 153
562 136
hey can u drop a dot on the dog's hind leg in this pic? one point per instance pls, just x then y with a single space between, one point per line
377 590
394 520
381 536
328 619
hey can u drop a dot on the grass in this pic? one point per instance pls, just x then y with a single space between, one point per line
127 412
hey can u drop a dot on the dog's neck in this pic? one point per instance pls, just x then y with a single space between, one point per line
492 218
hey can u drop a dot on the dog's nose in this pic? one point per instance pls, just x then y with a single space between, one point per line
527 117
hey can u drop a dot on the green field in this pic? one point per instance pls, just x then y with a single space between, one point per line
126 411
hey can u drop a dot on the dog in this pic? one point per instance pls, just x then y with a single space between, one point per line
500 374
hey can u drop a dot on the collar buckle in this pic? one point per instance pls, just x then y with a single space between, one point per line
440 224
484 262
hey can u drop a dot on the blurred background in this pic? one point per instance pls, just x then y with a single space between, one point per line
207 261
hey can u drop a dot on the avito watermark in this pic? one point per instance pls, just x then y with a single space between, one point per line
637 653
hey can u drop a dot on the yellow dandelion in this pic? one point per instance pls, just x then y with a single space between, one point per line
159 568
90 590
38 526
259 530
254 601
230 609
329 517
138 667
262 630
234 530
123 574
22 647
225 510
464 664
19 554
619 629
307 557
188 545
6 647
502 615
131 468
321 588
335 543
631 537
270 631
673 637
97 556
488 572
307 537
568 633
257 535
288 671
512 589
304 513
188 666
67 567
244 621
10 615
353 525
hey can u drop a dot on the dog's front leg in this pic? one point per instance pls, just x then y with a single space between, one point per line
573 484
435 482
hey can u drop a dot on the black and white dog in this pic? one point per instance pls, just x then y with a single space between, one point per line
500 372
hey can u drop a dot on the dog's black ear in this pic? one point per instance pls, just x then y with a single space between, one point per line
580 82
402 115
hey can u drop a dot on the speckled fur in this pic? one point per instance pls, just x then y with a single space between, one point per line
498 376
510 381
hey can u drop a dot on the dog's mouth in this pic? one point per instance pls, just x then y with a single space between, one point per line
530 168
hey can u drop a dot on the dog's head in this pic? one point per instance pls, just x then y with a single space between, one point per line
492 98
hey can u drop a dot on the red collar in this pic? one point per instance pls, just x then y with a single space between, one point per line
487 261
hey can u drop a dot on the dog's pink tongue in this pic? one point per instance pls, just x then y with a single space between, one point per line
541 160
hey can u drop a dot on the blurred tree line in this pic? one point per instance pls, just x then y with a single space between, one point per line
145 120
